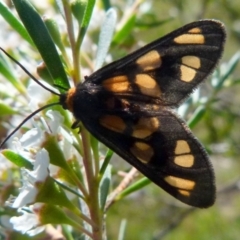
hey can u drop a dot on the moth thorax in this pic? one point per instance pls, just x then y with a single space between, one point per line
66 99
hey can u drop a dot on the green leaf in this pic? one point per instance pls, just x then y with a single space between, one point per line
94 145
14 22
43 73
106 162
122 230
59 4
106 4
104 186
50 192
54 31
43 41
226 70
105 37
134 187
78 8
52 214
147 25
197 116
17 159
55 153
86 19
125 30
6 109
7 71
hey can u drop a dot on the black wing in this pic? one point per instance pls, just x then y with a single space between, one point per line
163 148
126 105
168 69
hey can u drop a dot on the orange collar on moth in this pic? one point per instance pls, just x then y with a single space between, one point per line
69 98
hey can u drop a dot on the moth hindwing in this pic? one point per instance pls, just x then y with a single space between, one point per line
128 104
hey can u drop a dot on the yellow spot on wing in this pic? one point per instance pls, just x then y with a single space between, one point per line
192 61
186 160
142 151
187 73
190 39
144 80
145 127
141 132
184 192
195 30
150 61
180 183
117 84
147 85
182 147
113 123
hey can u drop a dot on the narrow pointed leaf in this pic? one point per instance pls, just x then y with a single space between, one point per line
43 41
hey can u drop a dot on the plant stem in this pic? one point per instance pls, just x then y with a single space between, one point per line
93 188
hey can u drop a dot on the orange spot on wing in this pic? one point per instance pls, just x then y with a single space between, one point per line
117 84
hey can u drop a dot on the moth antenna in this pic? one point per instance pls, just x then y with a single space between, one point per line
25 120
29 74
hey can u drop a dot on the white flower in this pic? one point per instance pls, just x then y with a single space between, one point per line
37 94
40 172
35 136
32 138
27 195
25 223
29 190
56 119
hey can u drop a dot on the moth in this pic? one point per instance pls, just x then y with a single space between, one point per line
129 106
